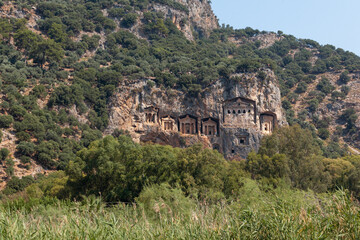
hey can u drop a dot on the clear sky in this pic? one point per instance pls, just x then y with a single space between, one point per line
334 22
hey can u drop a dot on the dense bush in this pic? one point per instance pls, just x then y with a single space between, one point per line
6 121
110 167
301 162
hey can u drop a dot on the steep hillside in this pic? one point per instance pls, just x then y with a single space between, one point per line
161 71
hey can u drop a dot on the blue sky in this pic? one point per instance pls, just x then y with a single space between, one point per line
334 22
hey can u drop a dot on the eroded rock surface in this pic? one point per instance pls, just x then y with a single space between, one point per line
230 115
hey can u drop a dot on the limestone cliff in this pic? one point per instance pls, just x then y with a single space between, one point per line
230 115
199 18
195 17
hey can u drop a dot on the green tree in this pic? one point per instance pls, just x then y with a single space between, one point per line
129 20
349 116
276 167
303 154
25 39
344 77
325 86
6 121
5 29
119 169
25 148
323 133
57 33
4 153
46 51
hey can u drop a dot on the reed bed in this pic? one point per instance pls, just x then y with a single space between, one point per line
275 215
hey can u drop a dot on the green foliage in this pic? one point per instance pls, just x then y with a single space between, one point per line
266 213
4 153
323 133
129 20
52 185
114 164
9 167
345 90
91 42
303 154
344 78
5 29
25 39
162 201
325 86
349 117
336 95
25 148
57 33
6 121
340 170
276 167
301 88
16 184
46 51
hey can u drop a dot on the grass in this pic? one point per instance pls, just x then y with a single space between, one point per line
278 214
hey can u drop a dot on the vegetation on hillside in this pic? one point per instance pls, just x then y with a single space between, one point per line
43 76
75 60
40 65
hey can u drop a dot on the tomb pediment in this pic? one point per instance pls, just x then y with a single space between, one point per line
268 122
188 124
210 126
168 123
151 115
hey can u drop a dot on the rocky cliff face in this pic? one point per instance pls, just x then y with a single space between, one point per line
200 17
230 116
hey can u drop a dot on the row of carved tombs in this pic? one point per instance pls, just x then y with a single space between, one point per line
186 125
237 112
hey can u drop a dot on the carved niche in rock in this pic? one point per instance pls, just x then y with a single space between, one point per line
168 124
242 139
267 122
151 115
188 124
239 112
210 126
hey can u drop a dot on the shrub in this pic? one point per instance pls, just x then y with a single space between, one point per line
6 121
325 86
344 78
301 88
345 90
23 136
16 184
129 20
9 167
25 148
4 153
323 133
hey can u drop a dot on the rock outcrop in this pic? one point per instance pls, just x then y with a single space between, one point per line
199 18
230 115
